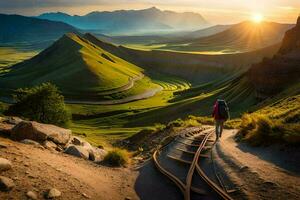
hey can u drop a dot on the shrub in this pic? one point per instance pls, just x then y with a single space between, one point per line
42 103
176 123
259 129
117 157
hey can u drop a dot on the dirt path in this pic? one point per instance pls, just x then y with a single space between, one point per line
259 172
144 95
39 170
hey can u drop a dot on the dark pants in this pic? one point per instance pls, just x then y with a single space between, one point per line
219 128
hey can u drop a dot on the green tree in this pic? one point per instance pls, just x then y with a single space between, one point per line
42 103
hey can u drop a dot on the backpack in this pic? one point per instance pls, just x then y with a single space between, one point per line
223 109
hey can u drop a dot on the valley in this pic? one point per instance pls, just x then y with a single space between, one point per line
139 95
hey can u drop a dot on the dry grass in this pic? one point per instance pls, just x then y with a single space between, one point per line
117 157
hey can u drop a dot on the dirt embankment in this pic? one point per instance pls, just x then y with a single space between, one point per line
38 170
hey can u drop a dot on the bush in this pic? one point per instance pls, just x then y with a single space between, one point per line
117 157
42 103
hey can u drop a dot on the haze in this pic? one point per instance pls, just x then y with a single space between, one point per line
215 11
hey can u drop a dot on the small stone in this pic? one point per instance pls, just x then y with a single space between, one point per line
85 195
5 164
31 195
127 198
53 193
3 146
6 184
244 168
270 184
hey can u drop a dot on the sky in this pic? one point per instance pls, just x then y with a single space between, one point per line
215 11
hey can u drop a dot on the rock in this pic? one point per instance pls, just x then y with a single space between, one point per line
76 140
127 198
50 145
53 193
5 164
31 142
13 120
6 184
86 196
31 195
3 146
6 129
78 151
40 132
96 154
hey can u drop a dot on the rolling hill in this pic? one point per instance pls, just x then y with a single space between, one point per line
242 37
80 69
17 28
131 21
192 67
271 76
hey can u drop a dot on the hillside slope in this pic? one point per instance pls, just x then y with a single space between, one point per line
77 67
16 28
273 75
245 36
193 67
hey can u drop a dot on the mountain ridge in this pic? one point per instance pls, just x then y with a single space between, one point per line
17 28
139 20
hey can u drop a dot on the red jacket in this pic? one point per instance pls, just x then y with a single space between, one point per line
215 113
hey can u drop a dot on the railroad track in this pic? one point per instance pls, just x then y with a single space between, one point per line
180 161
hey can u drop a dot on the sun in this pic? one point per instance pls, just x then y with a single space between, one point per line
257 18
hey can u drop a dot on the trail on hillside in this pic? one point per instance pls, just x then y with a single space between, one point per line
144 95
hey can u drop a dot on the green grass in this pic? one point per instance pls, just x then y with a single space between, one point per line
12 55
73 58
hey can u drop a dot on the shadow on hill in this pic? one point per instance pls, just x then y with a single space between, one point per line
151 184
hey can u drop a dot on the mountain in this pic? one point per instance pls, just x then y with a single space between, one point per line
78 67
16 28
208 31
196 68
245 36
273 75
131 21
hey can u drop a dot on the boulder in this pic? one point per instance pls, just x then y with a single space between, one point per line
78 151
5 164
6 128
53 193
6 184
97 154
40 132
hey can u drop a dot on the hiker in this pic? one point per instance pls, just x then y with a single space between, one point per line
220 114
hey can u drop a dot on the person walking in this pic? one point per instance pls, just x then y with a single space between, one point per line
220 114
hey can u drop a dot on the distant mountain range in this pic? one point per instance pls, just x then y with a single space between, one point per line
131 21
17 28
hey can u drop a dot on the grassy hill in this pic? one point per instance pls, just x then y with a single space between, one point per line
78 67
195 68
245 36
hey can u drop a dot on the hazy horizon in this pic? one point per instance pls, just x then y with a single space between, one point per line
215 12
